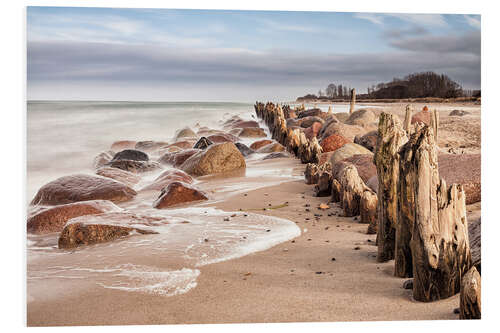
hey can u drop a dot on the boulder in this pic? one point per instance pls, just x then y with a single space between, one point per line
459 113
125 177
271 148
103 158
256 145
202 143
324 157
333 142
330 120
124 144
346 151
313 130
177 193
361 118
69 189
186 132
324 187
312 113
252 132
347 131
54 218
134 166
217 158
167 177
244 124
368 140
280 154
309 121
244 150
101 228
474 228
372 183
341 116
131 154
462 169
223 137
364 166
176 159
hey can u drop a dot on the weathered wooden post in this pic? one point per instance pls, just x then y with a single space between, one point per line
407 122
330 111
391 137
440 242
353 100
470 295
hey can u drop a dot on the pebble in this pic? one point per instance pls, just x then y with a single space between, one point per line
268 230
357 248
307 205
319 272
456 310
326 228
333 259
308 210
206 240
226 219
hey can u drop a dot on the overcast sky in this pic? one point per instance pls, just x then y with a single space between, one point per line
202 55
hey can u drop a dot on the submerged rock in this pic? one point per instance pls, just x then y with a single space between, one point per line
251 132
280 154
54 219
176 159
76 188
203 143
223 137
103 158
101 228
186 144
167 177
150 146
124 144
134 166
215 159
186 132
260 143
125 177
244 124
131 154
244 150
271 148
178 193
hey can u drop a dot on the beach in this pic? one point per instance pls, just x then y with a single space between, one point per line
296 263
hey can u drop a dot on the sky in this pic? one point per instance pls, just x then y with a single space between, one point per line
76 53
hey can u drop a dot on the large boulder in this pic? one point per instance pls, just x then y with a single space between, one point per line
462 169
176 159
423 116
252 132
54 219
185 144
203 143
125 177
186 132
363 163
76 188
333 142
134 166
150 146
369 140
244 150
347 131
261 143
341 116
325 157
312 113
223 137
217 158
309 121
177 193
361 118
101 228
131 154
271 148
103 158
346 151
167 177
123 144
244 124
313 130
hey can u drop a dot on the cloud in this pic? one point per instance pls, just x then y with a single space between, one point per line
473 21
469 43
373 18
423 20
241 72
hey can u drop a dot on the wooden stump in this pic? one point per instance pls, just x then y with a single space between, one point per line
470 295
391 137
368 209
351 190
353 100
407 122
324 187
335 190
439 243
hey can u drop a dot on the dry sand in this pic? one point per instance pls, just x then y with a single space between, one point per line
296 281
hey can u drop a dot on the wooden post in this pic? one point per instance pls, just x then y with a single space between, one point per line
470 295
330 110
440 242
391 137
407 123
353 100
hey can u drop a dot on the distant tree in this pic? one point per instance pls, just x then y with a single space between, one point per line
340 91
331 90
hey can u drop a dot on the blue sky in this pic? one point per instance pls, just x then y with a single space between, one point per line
161 54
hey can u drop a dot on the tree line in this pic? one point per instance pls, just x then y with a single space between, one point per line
416 85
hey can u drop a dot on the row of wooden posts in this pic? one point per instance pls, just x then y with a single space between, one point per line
421 221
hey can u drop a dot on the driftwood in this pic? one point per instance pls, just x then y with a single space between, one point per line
391 137
368 210
407 123
335 190
352 189
353 100
324 187
439 242
470 295
311 173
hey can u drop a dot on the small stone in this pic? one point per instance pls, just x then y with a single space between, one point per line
333 259
309 239
234 215
357 248
408 284
323 206
303 197
326 228
245 194
268 230
308 210
307 219
319 272
205 240
226 219
456 310
269 205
